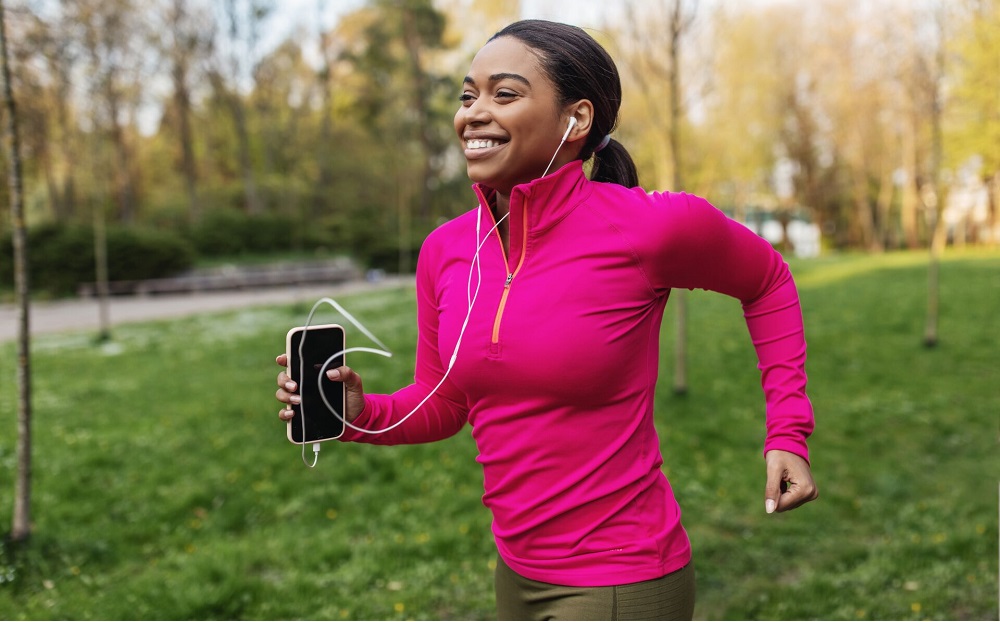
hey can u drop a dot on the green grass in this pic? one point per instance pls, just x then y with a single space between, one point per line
164 487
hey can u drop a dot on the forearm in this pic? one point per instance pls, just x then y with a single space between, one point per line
774 320
383 417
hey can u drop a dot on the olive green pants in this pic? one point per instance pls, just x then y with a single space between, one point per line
667 598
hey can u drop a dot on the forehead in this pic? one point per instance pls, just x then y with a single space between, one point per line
507 55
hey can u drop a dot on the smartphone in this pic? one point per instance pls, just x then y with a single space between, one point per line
313 422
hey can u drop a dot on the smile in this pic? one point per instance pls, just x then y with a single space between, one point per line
482 144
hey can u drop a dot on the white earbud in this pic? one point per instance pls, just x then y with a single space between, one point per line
572 122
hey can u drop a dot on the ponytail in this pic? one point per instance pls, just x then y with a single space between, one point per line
613 164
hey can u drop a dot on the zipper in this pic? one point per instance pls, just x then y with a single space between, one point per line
510 275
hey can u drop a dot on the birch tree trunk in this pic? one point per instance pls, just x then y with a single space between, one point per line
21 523
677 28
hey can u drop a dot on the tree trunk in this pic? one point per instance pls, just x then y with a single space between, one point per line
325 174
67 199
124 186
934 281
182 99
21 523
420 95
935 199
679 296
101 272
910 199
237 108
992 221
243 136
863 218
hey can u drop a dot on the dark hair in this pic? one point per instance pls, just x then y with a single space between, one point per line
581 69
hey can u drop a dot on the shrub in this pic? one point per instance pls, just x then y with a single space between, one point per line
62 256
229 232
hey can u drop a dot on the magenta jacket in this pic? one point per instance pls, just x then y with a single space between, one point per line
557 368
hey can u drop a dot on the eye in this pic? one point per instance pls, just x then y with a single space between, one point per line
505 95
466 99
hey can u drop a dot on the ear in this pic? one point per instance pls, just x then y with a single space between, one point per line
583 112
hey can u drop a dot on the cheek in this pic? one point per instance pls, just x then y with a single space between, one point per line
459 120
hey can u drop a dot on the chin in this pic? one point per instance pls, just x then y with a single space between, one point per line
480 178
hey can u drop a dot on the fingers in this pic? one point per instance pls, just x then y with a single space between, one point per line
353 389
789 482
286 390
772 490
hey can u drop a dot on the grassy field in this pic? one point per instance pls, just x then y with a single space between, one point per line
164 487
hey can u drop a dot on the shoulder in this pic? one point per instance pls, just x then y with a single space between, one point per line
451 230
651 211
449 235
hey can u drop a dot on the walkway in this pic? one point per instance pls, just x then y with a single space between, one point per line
84 314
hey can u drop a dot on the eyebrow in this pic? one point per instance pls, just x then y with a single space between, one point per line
501 76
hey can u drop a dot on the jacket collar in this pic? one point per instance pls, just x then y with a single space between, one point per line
548 199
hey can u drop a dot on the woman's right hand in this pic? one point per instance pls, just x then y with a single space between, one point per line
287 392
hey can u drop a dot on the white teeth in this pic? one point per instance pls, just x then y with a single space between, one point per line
481 144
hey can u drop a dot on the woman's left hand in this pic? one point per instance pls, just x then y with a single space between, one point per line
789 482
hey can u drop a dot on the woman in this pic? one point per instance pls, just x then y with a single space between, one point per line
558 357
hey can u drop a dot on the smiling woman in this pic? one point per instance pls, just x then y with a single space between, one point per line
516 296
510 117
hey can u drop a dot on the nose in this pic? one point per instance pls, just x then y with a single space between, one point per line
476 114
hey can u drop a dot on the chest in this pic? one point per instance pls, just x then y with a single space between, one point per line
574 306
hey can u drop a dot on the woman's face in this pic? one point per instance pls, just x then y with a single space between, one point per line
510 121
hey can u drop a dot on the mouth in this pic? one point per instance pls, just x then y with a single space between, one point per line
482 147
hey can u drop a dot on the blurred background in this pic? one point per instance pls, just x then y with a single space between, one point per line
169 146
185 133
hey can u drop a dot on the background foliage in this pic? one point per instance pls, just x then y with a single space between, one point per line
179 114
190 134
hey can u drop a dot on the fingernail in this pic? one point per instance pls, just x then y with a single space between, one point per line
333 374
290 385
295 399
769 506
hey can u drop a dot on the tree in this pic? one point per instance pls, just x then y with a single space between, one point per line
864 106
234 54
111 35
329 55
42 62
187 35
732 149
933 191
645 62
973 115
21 525
400 40
678 25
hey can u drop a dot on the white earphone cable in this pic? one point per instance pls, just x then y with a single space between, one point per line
471 297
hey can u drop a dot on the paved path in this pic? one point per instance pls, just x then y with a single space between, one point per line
84 314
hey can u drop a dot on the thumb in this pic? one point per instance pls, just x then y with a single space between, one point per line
344 374
772 491
355 393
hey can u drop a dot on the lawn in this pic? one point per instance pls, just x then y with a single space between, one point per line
164 487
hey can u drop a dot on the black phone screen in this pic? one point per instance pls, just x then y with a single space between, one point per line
320 343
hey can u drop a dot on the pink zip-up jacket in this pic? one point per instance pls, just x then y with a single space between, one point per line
557 368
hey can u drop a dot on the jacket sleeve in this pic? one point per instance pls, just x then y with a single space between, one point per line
705 249
445 412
